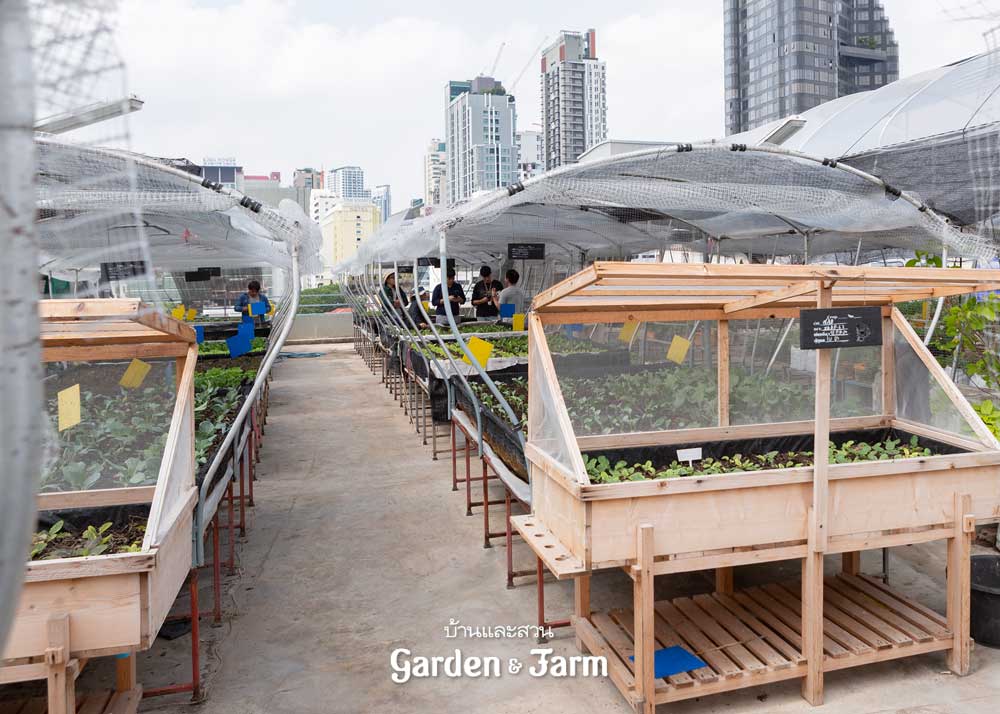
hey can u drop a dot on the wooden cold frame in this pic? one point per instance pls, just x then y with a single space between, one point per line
721 521
111 604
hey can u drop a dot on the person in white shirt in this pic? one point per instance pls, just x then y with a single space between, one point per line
511 294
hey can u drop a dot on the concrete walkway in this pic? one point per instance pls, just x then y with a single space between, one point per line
359 547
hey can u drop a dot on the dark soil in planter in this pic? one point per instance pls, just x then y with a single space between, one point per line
128 527
498 432
664 455
247 361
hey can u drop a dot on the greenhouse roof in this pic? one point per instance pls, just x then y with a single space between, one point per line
708 291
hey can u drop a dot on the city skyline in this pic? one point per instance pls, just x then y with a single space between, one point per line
351 116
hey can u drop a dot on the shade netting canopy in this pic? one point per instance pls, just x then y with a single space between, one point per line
718 198
99 205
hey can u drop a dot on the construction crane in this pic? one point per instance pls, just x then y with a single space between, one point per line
496 61
527 64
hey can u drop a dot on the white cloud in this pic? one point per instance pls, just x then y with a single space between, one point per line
280 85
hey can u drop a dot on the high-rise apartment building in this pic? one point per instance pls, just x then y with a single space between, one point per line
783 57
574 98
481 121
321 200
530 159
304 181
435 170
348 182
382 198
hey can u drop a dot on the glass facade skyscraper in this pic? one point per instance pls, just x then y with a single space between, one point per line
783 57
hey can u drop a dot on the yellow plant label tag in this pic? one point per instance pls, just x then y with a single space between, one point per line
427 306
178 312
191 314
518 322
69 407
678 349
135 374
480 349
628 331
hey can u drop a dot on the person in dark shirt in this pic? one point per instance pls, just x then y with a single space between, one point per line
389 297
483 294
456 297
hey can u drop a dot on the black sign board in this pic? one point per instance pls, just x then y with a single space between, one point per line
436 262
406 269
196 276
122 269
212 272
526 251
828 328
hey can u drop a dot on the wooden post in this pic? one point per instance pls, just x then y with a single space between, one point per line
61 682
581 602
851 562
812 623
959 584
723 576
821 435
643 615
125 677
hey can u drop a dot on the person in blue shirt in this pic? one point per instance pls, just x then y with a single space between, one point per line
252 296
456 297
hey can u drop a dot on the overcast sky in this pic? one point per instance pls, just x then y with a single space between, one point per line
280 85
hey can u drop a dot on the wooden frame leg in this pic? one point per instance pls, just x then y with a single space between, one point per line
851 562
724 580
581 602
644 615
959 585
125 677
61 683
812 627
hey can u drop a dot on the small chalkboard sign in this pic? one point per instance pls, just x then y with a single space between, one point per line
406 270
196 276
827 328
435 262
122 269
212 272
526 251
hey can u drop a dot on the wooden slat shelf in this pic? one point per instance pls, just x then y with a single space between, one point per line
557 558
753 636
105 701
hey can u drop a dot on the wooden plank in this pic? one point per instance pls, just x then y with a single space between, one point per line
830 628
716 433
816 629
879 611
96 702
888 369
818 530
88 567
949 387
783 644
88 309
771 611
892 635
22 672
145 350
547 546
61 692
668 695
892 653
724 579
618 671
125 702
173 563
870 541
627 622
698 643
959 585
62 500
945 437
843 620
566 287
911 611
723 372
125 677
642 598
722 638
105 615
563 476
850 561
793 290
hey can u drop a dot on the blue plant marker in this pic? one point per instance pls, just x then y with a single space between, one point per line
199 333
673 660
238 344
246 329
247 320
507 311
256 308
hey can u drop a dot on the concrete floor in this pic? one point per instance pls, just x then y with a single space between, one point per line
359 547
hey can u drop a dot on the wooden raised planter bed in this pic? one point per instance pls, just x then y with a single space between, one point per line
75 608
671 525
